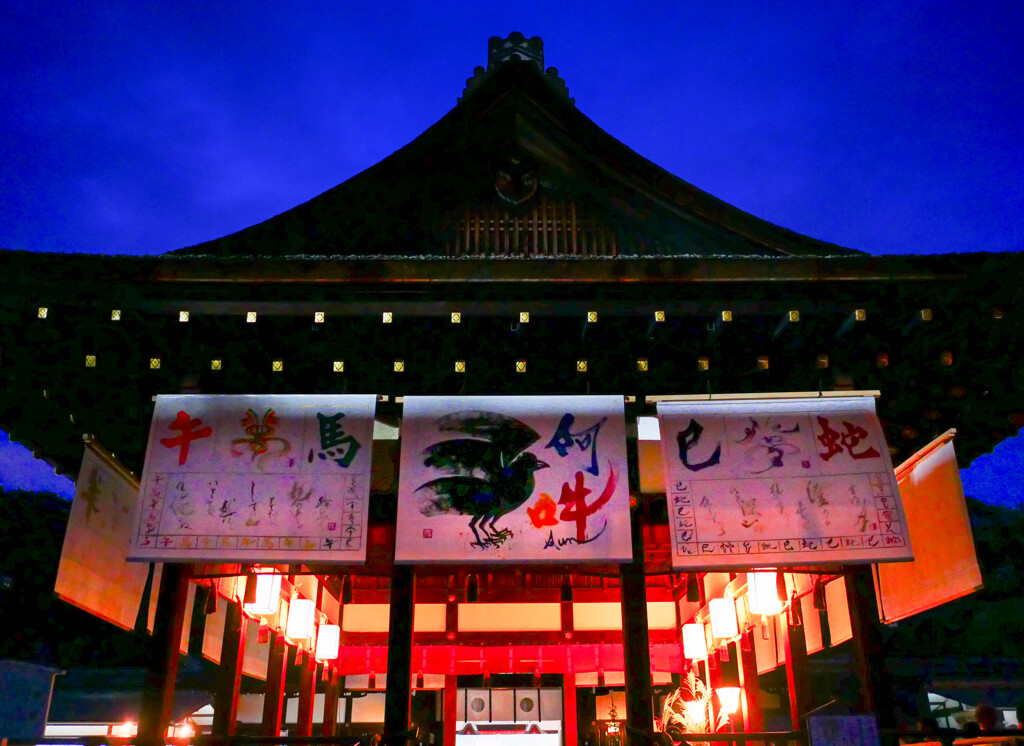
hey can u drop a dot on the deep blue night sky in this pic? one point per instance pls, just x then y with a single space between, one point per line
138 128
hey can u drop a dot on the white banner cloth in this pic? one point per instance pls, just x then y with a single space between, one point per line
780 482
489 479
256 478
92 573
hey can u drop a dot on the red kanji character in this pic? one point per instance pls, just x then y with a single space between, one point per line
855 434
575 502
830 439
850 439
187 426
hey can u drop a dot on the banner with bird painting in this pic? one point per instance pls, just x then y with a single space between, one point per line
267 478
519 478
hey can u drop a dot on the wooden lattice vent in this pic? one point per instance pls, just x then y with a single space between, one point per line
547 228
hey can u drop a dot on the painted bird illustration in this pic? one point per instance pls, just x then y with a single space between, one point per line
489 473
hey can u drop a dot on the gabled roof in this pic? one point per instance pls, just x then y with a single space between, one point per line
515 170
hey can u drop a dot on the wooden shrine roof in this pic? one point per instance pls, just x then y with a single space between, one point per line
515 170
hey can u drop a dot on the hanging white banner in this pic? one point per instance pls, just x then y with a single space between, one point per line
780 482
489 479
93 574
256 478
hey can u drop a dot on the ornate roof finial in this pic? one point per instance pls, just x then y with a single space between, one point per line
517 48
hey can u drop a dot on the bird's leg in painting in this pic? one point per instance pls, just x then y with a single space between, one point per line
498 535
472 525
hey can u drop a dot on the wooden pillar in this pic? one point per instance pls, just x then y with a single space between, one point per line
451 708
330 724
162 663
796 670
868 656
307 695
397 699
229 673
569 709
750 701
273 693
635 642
714 664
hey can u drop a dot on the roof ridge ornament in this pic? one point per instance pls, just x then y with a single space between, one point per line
516 48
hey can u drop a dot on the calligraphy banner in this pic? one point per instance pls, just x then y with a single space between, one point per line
489 479
279 478
92 573
780 482
945 565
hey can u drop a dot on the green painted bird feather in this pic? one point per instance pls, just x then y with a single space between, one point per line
489 473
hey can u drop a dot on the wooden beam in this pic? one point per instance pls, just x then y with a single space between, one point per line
229 674
162 664
654 399
502 639
273 693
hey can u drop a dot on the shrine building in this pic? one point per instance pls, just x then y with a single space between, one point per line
514 249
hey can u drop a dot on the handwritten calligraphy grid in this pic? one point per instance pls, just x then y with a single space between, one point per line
281 513
690 542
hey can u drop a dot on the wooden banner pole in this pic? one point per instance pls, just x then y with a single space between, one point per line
162 664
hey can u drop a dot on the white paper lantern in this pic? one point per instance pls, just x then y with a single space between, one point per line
328 639
268 594
695 646
723 619
762 595
301 620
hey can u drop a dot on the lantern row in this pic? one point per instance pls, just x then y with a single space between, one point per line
658 317
643 365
